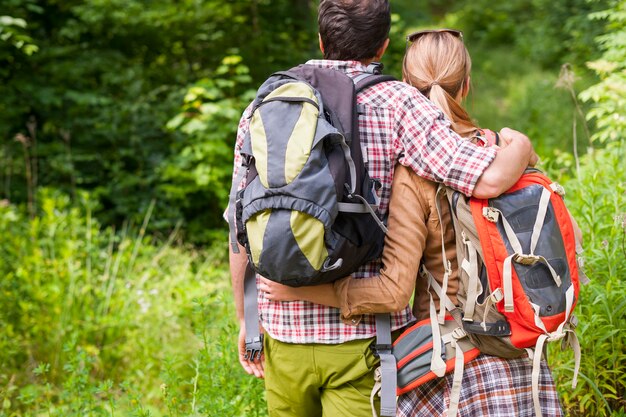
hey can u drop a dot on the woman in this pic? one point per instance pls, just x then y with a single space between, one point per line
438 65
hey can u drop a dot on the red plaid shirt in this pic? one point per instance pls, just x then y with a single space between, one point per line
399 125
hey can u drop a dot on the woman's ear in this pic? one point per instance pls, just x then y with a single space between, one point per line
321 43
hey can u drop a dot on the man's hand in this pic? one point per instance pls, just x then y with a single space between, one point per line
252 367
279 292
509 135
319 294
511 160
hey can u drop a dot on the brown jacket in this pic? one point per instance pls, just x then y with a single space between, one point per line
414 236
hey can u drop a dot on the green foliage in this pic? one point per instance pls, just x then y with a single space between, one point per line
119 303
198 173
609 95
546 32
92 105
12 31
597 199
523 97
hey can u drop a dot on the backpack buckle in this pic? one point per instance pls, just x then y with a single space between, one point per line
375 68
246 160
558 188
458 333
254 348
526 259
497 295
378 348
491 214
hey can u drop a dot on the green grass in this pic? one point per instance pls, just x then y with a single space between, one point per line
597 199
99 322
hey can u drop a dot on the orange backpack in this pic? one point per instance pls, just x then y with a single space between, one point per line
519 276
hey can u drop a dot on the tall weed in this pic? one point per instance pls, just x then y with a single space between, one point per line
597 199
81 305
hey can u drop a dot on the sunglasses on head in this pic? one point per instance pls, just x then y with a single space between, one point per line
416 35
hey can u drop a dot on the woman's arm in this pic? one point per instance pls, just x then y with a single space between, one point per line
404 245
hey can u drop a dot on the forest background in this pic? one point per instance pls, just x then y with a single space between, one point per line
117 122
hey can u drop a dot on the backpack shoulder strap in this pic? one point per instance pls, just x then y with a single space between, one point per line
367 80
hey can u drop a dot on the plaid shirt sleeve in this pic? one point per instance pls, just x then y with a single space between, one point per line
242 131
433 150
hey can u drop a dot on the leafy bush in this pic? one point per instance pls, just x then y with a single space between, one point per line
91 106
609 95
597 199
523 97
85 308
198 172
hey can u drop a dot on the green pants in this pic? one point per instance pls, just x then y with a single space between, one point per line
313 380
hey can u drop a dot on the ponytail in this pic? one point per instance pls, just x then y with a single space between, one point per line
458 116
438 65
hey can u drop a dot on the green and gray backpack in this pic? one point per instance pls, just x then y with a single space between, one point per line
306 214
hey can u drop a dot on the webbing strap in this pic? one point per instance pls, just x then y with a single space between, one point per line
507 281
572 341
231 209
355 207
369 79
437 365
544 201
447 267
555 276
559 333
368 208
580 261
510 233
569 304
348 157
254 340
495 297
455 392
535 373
361 77
538 321
444 299
388 375
375 391
471 268
507 284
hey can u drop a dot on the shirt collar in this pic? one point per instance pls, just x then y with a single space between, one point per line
348 67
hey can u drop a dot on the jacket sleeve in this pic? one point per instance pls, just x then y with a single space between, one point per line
392 289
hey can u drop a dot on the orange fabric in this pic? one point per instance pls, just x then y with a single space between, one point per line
429 376
524 332
467 356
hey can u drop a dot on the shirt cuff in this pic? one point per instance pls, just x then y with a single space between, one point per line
341 288
467 165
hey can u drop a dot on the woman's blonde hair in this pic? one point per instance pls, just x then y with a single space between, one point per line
438 65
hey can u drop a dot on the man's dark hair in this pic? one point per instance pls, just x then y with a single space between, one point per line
353 29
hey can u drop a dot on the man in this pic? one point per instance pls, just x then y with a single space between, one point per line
314 363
